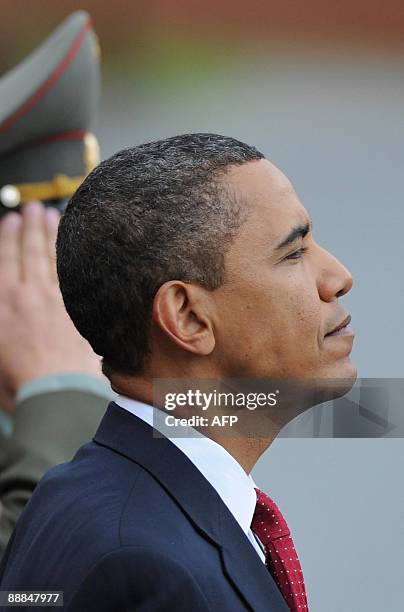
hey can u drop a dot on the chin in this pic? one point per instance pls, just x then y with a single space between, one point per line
338 381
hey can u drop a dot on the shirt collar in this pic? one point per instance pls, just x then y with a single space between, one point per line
223 472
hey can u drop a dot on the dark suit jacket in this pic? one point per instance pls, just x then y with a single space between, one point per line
48 429
131 525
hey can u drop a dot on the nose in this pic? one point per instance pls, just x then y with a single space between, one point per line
334 279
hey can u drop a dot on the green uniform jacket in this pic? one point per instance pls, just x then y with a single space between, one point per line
48 429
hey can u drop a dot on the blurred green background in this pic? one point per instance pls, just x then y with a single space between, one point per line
161 41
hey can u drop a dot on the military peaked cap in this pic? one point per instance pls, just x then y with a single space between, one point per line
47 103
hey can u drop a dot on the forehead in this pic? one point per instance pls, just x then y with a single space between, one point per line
273 207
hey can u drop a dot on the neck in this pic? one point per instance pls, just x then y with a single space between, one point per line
245 451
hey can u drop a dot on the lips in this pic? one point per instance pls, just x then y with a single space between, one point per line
339 328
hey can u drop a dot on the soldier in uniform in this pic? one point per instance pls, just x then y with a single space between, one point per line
50 382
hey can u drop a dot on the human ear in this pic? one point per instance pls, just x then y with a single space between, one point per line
181 310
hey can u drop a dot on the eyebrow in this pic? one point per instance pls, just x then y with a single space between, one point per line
300 231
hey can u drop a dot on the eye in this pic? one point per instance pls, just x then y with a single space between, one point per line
297 254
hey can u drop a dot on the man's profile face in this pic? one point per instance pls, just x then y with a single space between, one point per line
280 297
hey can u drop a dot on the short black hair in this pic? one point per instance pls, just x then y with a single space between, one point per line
148 214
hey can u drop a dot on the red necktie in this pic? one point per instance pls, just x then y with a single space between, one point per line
280 554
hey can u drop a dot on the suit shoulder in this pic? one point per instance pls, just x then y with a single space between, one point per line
83 496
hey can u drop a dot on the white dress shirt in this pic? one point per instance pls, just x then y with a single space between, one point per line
221 470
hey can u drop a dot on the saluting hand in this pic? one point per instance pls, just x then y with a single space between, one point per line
37 337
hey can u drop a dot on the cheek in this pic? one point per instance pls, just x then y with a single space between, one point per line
277 323
308 317
281 330
296 322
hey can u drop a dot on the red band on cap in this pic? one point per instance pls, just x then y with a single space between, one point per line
56 74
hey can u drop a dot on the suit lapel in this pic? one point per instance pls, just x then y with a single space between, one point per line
245 569
133 438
